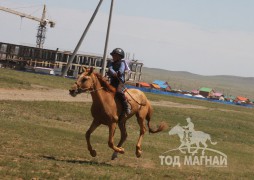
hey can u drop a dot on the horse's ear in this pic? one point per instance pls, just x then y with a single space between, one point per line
84 69
91 70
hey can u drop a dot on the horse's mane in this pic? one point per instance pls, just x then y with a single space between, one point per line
104 83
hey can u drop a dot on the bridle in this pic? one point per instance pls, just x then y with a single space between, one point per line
90 89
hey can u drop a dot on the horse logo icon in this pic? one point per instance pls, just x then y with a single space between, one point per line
192 142
188 137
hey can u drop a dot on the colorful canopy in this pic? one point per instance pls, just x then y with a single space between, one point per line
144 84
156 86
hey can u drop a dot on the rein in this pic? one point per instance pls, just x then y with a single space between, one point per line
126 90
94 90
90 91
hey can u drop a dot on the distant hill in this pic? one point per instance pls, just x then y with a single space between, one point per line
229 85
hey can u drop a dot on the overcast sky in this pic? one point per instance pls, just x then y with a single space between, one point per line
207 37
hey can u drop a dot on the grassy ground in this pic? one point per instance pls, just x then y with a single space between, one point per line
26 80
46 140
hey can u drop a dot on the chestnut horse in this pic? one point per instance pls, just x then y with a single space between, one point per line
107 110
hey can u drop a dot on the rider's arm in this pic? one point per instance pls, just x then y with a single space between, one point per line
111 70
122 68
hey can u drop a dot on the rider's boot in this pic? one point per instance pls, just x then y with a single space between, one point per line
126 109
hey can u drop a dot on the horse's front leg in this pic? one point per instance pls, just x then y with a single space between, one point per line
93 126
180 147
122 127
197 148
112 128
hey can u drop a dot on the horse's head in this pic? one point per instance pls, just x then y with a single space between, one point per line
176 130
84 82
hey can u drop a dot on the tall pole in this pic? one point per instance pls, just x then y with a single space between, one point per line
81 40
104 62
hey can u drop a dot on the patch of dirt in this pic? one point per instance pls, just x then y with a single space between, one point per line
42 94
178 105
45 94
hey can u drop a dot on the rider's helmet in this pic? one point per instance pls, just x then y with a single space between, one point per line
118 51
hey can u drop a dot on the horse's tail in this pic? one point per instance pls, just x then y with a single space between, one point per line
213 143
162 125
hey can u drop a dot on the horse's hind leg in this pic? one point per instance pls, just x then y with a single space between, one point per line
93 126
122 127
205 146
141 122
112 128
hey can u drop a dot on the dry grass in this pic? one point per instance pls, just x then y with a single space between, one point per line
46 140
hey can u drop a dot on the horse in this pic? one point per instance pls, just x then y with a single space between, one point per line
195 138
107 110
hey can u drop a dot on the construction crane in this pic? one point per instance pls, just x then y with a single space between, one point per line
43 22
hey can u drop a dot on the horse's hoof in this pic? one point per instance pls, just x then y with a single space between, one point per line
138 153
93 153
121 150
114 155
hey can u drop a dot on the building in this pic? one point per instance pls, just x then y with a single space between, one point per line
195 92
206 92
217 95
27 58
242 100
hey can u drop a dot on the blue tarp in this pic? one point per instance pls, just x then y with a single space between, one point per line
162 84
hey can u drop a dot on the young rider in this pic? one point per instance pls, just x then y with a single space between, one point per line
116 72
189 129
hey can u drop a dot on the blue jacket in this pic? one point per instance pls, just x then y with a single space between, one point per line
117 67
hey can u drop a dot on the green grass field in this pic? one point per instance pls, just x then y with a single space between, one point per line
26 80
46 140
